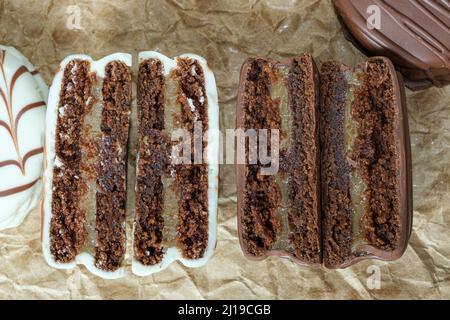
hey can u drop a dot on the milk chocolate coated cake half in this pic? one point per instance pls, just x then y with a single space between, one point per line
414 34
343 190
176 201
279 214
366 178
85 167
23 97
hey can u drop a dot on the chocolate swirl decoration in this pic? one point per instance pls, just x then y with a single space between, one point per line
6 95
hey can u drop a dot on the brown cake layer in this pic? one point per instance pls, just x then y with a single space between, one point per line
261 196
192 179
111 180
152 163
335 169
377 153
67 229
303 158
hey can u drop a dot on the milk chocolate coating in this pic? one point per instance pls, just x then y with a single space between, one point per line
359 251
305 106
402 138
413 34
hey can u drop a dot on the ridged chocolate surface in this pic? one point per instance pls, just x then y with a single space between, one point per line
414 34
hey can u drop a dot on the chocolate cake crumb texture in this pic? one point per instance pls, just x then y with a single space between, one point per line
335 170
303 184
111 181
376 152
67 227
192 179
152 164
262 196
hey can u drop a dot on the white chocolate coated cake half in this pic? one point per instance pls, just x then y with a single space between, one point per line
176 192
84 200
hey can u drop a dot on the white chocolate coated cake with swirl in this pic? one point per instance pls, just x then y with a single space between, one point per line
23 95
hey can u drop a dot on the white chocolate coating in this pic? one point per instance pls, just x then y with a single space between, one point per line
173 253
22 124
83 258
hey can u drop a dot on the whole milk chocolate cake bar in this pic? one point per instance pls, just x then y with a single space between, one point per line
84 199
414 34
343 191
176 192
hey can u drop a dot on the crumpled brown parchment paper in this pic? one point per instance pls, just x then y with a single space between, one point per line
225 33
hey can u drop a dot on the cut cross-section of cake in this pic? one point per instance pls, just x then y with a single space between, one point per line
365 162
85 174
177 165
343 191
279 212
